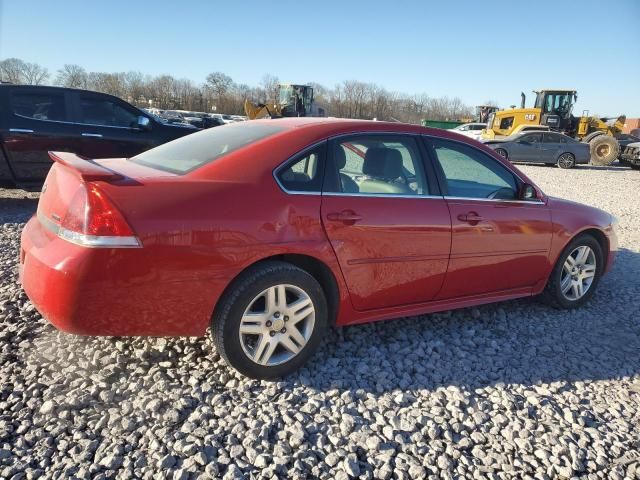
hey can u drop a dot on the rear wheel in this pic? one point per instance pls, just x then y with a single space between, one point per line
604 150
566 160
502 152
576 273
270 321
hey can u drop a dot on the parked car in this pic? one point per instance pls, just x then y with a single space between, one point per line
630 156
269 231
542 147
471 130
37 119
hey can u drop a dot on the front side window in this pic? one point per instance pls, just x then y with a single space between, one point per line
39 106
470 173
197 149
102 111
302 174
376 165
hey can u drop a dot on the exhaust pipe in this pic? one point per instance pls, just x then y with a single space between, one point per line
524 97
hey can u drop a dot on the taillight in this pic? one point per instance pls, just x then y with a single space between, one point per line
92 220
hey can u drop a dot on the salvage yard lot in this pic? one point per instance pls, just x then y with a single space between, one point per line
501 391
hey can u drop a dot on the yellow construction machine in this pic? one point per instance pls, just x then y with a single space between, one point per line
554 108
293 101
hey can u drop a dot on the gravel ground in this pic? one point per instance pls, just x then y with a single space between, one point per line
513 390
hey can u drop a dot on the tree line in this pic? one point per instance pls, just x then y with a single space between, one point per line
219 93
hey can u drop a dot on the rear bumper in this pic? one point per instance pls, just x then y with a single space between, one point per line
101 291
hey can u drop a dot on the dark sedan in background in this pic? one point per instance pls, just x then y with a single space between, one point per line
542 147
37 119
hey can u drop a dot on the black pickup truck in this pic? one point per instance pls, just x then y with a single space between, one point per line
37 119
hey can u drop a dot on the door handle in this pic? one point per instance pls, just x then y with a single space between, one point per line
347 217
94 135
20 130
471 217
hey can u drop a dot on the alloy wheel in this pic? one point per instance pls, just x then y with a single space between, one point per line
566 160
578 273
277 325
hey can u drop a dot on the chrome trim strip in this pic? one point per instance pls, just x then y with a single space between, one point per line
379 195
96 135
20 130
537 201
89 241
78 123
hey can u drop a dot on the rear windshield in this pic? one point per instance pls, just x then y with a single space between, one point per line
193 151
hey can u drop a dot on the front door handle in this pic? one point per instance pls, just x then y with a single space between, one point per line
94 135
348 217
471 217
20 130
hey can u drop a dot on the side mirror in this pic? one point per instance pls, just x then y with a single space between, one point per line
144 123
528 192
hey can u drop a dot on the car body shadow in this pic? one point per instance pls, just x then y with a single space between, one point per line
517 342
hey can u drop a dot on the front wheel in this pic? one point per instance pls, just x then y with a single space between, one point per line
566 160
576 273
270 321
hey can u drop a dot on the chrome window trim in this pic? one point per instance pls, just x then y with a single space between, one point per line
537 201
78 123
379 195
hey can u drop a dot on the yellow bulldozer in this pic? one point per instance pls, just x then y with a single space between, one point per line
293 101
554 109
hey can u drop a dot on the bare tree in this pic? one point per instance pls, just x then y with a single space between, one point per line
35 74
270 85
72 76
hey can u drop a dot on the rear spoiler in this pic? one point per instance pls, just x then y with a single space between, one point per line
85 168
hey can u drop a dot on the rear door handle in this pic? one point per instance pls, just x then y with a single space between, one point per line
94 135
20 130
346 216
471 217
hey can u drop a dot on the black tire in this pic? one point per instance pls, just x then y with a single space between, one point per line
229 311
592 135
553 295
502 152
635 167
566 160
604 150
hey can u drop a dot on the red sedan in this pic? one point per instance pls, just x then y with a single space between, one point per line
269 231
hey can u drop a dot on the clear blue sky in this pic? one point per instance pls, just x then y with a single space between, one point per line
476 50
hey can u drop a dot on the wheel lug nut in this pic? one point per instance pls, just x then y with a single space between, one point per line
269 323
272 333
277 314
284 330
286 318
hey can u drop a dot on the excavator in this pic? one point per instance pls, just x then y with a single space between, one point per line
293 101
554 109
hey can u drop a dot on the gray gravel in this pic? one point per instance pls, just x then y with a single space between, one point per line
513 390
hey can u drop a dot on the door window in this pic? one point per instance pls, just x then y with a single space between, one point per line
376 165
302 174
39 106
532 138
101 111
470 173
554 138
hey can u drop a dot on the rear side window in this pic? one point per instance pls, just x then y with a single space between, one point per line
103 111
197 149
302 174
39 106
